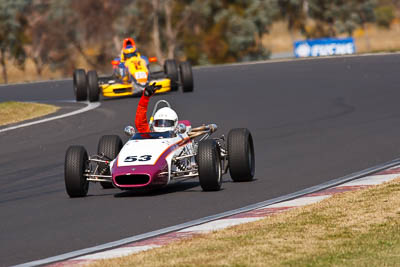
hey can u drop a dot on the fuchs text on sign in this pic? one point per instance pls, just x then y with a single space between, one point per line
324 47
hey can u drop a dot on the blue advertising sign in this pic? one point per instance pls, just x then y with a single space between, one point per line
324 47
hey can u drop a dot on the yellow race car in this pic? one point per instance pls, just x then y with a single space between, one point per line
136 74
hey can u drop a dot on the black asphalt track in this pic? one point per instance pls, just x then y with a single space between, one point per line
311 120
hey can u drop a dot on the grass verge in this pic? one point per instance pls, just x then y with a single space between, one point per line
12 112
368 40
360 228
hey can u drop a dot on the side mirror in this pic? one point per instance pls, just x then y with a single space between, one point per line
213 128
181 128
129 130
153 59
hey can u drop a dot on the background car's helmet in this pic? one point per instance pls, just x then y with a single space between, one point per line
164 120
128 41
129 51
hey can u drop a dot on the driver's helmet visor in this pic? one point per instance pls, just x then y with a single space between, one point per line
164 123
129 55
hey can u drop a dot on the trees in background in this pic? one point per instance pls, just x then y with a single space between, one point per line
339 16
228 31
203 31
62 30
57 33
12 33
295 13
385 14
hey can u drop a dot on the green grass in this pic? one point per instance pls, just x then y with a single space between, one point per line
12 112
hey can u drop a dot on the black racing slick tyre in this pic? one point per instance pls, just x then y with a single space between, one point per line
209 163
171 70
186 76
93 86
241 157
80 83
109 146
76 160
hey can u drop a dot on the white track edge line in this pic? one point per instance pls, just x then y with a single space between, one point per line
89 106
178 227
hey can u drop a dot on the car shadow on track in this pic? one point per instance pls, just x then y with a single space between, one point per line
135 96
177 187
119 97
181 186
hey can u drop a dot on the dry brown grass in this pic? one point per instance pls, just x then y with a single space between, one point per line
16 75
279 38
12 112
372 39
375 39
358 228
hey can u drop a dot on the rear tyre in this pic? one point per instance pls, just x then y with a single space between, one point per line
171 70
209 162
80 82
241 157
186 76
93 86
76 160
109 146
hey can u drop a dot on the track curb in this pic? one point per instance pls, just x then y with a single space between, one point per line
362 179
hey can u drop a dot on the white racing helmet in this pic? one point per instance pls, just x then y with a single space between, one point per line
165 120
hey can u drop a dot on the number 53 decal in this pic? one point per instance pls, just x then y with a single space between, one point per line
137 158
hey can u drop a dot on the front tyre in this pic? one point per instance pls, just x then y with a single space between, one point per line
171 70
109 146
93 86
76 160
241 157
209 163
186 76
80 83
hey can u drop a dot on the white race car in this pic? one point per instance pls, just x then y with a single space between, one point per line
155 159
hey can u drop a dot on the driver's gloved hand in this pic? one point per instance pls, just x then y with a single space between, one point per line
150 89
